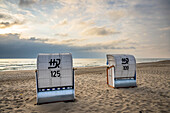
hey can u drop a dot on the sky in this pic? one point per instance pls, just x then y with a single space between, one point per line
86 28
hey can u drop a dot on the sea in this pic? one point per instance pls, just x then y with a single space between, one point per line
30 63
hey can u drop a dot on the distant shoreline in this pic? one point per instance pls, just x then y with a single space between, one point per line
145 63
30 64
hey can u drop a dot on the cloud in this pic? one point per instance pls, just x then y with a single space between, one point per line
4 16
99 31
146 22
10 36
12 46
70 42
26 2
80 24
8 24
165 28
9 20
109 45
61 34
115 15
99 46
37 40
63 22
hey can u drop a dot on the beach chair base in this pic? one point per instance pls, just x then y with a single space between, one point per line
122 83
55 96
125 83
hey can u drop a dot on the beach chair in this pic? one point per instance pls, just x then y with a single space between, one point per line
121 70
55 78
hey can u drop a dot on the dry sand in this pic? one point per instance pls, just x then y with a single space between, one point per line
18 92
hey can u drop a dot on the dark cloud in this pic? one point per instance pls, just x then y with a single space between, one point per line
26 2
38 40
12 46
5 16
9 24
8 36
6 20
99 31
4 23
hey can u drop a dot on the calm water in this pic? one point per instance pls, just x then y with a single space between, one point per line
30 64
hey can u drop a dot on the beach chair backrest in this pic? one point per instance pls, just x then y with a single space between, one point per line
124 65
54 70
55 78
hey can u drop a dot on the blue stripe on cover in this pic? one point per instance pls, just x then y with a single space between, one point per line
54 89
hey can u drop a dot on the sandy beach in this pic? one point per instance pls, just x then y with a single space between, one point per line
18 92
